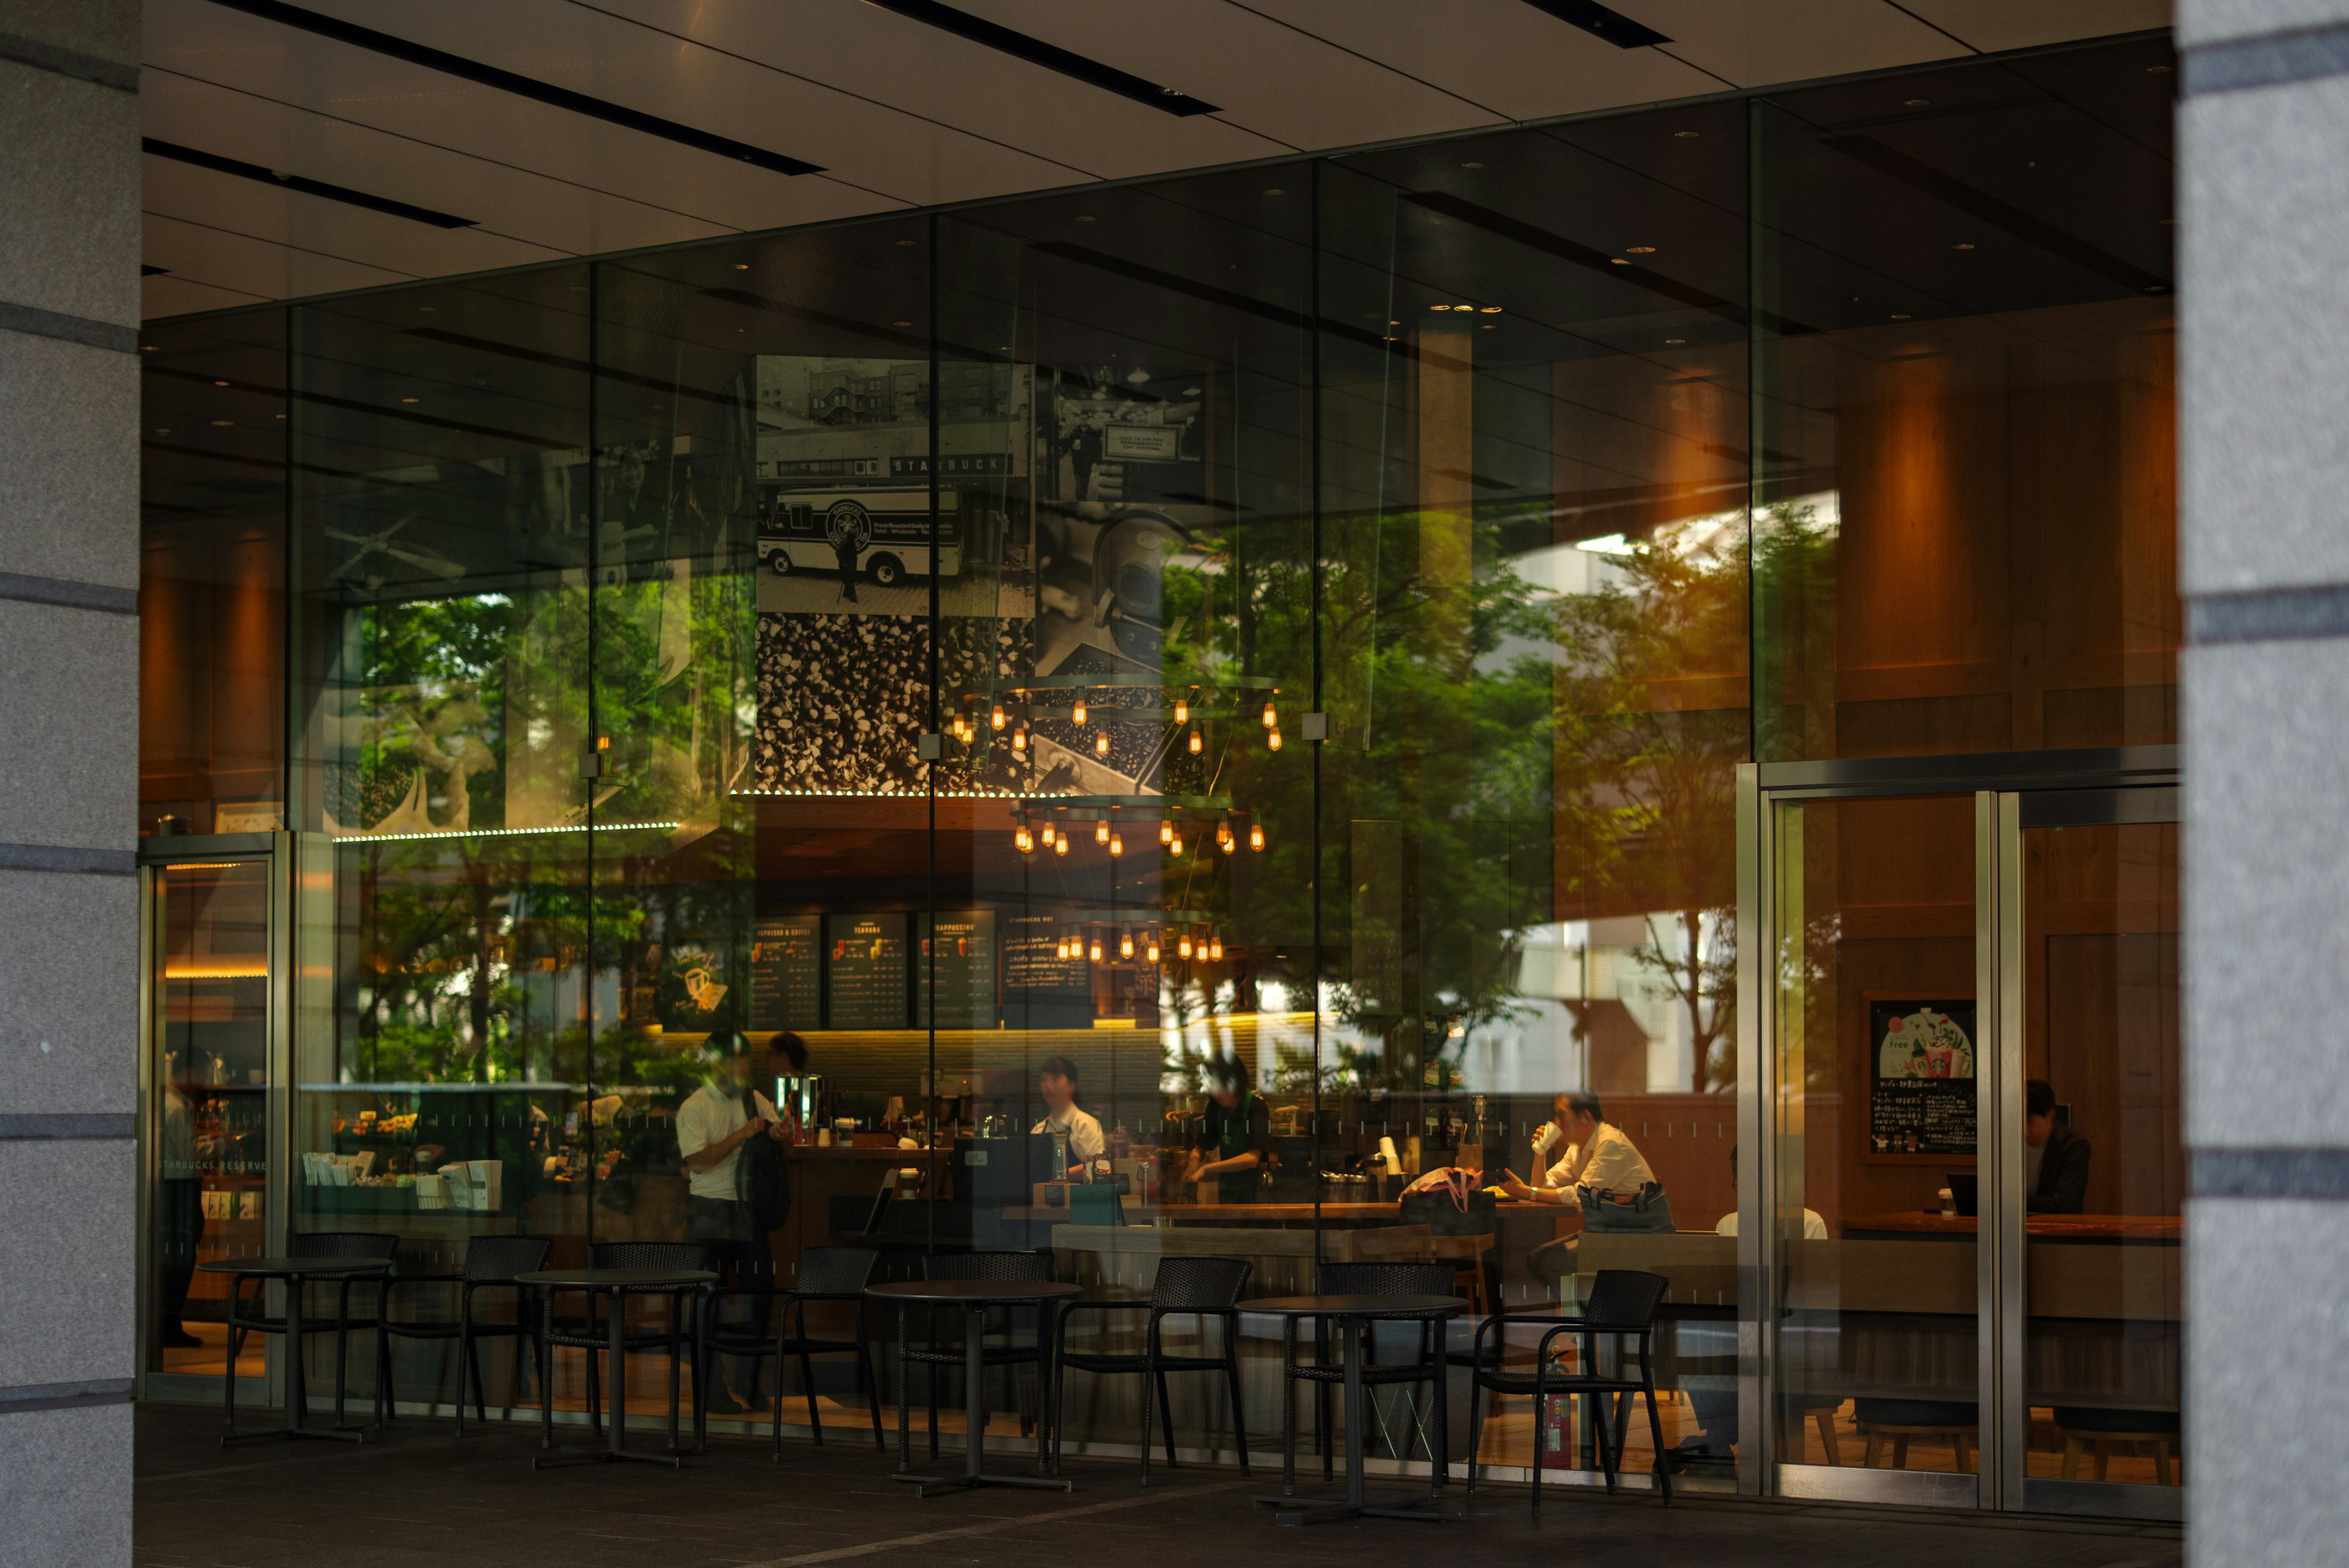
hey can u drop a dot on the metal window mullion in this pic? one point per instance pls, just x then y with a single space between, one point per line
2008 1411
1756 1184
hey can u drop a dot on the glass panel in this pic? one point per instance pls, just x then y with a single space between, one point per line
210 1073
439 442
1966 535
1876 1023
1137 840
212 596
1533 362
2103 1161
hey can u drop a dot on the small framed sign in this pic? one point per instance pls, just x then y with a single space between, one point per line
1921 1070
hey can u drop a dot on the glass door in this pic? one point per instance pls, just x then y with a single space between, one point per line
2095 1181
209 1077
1875 1066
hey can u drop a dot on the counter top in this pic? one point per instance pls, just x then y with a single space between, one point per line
2036 1227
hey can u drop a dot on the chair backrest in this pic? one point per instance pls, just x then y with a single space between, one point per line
1383 1279
998 1267
345 1244
835 1270
1624 1301
649 1255
490 1259
1199 1284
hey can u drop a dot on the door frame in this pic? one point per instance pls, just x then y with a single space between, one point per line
2010 790
157 855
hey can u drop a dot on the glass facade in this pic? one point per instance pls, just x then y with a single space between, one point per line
1163 719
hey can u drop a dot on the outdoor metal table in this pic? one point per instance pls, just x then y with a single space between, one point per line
1352 1314
296 1272
617 1283
974 1296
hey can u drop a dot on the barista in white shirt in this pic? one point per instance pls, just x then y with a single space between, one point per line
1057 1081
712 1124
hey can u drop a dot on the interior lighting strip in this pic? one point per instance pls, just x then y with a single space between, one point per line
501 832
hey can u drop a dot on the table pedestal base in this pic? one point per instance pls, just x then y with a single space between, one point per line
938 1486
605 1457
346 1434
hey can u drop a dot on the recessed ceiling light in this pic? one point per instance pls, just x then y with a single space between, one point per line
901 324
220 383
277 416
1897 317
1685 135
1916 102
1084 217
1463 307
162 429
907 245
741 266
1674 341
1439 307
223 422
1276 190
2156 71
408 399
1619 261
1961 246
1492 309
1640 250
1488 326
1394 324
1472 166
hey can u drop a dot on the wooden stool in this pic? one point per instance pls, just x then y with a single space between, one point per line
2079 1425
1468 1251
1901 1420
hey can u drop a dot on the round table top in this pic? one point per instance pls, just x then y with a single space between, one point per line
290 1266
613 1279
1357 1306
970 1292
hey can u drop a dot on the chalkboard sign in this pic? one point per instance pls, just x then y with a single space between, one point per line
786 982
959 961
1921 1062
865 958
1040 989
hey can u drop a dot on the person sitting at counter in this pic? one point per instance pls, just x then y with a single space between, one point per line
1063 1118
1603 1173
2055 1159
1235 1143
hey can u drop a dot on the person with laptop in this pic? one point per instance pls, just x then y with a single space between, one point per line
1056 1079
2055 1157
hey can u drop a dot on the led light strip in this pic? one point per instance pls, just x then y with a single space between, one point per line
500 831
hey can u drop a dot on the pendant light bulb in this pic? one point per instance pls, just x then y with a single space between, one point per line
1197 745
1100 743
1167 830
1047 833
1125 944
1216 948
1174 845
1100 831
1183 947
1025 839
1271 719
1061 844
1078 713
1182 711
1095 954
1273 740
1256 836
1117 846
995 720
1153 950
1019 739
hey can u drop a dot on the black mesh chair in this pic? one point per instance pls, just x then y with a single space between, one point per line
591 1332
1207 1287
999 1267
1622 1308
1327 1369
251 1316
827 1275
491 1263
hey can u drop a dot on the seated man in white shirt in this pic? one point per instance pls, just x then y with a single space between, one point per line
1057 1081
1602 1172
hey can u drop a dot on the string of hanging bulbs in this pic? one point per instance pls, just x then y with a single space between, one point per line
1016 723
1149 947
1052 834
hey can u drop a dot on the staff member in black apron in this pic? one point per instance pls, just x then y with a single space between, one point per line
1235 1145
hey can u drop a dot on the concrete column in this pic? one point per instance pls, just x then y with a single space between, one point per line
69 773
2264 471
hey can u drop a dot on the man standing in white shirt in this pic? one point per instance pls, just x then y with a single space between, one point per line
1057 1081
712 1124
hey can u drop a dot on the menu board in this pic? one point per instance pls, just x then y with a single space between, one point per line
786 979
1922 1050
959 959
1041 990
865 958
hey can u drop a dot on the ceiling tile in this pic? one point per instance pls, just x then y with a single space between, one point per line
170 294
255 266
1519 62
1752 43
